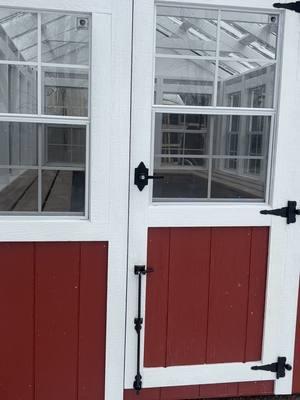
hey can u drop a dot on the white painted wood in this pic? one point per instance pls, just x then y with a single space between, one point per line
204 374
86 6
281 298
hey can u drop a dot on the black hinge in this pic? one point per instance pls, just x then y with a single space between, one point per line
288 212
139 270
279 367
141 176
295 6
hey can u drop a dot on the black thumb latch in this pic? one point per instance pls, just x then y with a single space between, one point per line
295 6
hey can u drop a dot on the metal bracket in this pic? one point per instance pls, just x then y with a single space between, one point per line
289 6
288 212
141 176
279 367
139 270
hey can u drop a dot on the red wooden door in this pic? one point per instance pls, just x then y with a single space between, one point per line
53 313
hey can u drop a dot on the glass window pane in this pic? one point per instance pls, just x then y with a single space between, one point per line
18 143
242 183
237 135
64 146
252 85
63 191
18 35
184 82
210 157
248 35
18 89
188 31
66 91
65 39
18 190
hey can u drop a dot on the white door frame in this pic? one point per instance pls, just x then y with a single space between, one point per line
281 299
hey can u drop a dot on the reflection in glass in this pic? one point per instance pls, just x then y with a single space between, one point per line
186 31
63 191
18 35
240 86
239 185
64 145
18 143
184 82
210 156
248 35
18 190
65 91
65 39
18 89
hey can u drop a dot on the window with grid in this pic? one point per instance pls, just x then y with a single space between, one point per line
44 112
221 67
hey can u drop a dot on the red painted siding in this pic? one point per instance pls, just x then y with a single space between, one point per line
203 391
53 302
296 383
206 280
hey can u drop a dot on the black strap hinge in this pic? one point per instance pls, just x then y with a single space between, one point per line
278 368
288 212
294 6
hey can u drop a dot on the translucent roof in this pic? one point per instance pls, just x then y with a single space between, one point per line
64 37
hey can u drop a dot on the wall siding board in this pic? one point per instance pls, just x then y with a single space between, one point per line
228 295
257 292
57 299
157 297
92 321
188 296
296 380
53 302
17 321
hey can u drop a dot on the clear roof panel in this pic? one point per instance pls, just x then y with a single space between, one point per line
186 29
18 35
65 39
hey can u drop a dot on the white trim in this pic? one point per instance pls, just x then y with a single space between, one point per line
213 110
204 374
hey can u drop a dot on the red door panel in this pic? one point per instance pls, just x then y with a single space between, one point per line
205 300
262 388
53 299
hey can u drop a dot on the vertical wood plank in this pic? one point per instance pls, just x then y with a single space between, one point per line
219 390
261 388
257 291
228 298
92 321
145 394
157 298
188 295
17 321
180 393
57 310
296 372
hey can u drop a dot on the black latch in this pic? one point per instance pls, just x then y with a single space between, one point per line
278 368
141 176
295 6
288 212
139 270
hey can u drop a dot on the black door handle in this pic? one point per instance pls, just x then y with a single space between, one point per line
141 176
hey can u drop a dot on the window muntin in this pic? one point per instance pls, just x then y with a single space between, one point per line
233 68
44 72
